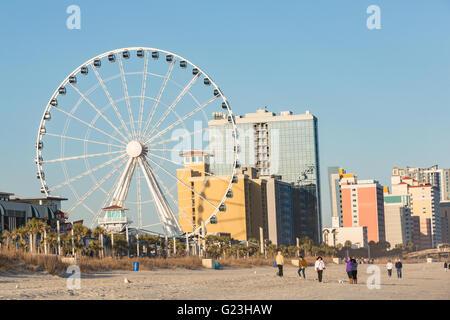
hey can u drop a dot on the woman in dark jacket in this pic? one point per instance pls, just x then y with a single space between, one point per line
349 268
354 271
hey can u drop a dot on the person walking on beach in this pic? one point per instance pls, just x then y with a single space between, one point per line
354 271
319 266
399 266
348 269
445 266
280 261
389 268
302 265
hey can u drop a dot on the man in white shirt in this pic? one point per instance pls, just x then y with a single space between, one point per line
319 266
389 267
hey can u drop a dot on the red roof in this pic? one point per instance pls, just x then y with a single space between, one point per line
193 153
114 207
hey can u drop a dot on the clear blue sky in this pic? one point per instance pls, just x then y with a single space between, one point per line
382 97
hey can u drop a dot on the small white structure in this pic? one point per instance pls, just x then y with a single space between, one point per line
208 263
339 235
115 219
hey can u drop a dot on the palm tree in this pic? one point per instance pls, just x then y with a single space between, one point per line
80 232
99 232
6 235
35 227
306 245
22 232
52 241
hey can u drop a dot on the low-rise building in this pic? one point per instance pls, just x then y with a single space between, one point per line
340 235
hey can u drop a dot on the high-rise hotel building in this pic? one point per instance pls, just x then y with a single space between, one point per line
284 145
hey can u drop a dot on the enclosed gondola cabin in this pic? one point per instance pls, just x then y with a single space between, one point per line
216 92
224 105
183 64
222 207
234 179
140 53
206 82
155 54
54 102
213 220
97 63
126 54
112 57
169 58
229 194
43 130
47 115
72 79
40 145
44 189
195 71
62 91
84 70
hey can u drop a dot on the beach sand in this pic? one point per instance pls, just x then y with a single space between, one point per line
420 281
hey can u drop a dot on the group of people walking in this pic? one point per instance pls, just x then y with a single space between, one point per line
351 267
319 266
398 267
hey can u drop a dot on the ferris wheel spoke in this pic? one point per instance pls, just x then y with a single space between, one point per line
190 114
161 90
127 98
83 140
87 172
143 89
181 165
95 187
98 111
177 137
89 125
139 198
108 196
111 101
164 210
174 103
83 156
180 181
173 199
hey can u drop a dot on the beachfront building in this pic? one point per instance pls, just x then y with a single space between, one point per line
363 205
434 176
445 221
335 174
253 204
424 197
284 145
397 219
15 211
340 235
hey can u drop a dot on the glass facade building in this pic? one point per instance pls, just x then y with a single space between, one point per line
284 145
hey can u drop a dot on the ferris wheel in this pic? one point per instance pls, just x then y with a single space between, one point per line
128 128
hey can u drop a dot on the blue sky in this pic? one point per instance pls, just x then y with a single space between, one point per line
381 96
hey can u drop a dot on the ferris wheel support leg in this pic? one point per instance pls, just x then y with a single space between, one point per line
166 215
123 184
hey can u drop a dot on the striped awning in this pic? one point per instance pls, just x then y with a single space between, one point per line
50 213
34 212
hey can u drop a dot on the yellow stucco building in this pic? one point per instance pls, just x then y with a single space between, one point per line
244 212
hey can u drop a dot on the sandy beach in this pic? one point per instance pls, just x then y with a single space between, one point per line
420 281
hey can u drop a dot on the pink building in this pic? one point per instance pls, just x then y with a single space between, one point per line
363 205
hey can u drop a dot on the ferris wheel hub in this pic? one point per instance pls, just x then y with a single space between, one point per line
134 149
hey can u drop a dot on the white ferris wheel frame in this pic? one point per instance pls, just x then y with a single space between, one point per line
141 161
